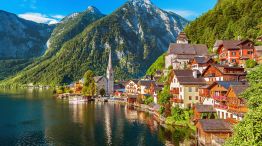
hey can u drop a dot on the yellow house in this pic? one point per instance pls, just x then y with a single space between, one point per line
184 88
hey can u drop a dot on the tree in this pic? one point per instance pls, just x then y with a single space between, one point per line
102 92
251 63
164 98
89 87
249 131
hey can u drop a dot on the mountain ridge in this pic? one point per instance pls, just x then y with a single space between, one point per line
136 35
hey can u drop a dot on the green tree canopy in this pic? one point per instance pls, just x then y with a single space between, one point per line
89 88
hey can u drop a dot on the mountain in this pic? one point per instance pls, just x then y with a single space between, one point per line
19 40
229 19
137 33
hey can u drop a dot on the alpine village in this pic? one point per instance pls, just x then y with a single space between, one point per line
192 90
211 88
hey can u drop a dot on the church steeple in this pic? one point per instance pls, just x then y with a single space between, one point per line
110 75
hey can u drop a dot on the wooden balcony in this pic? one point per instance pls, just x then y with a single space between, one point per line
223 107
242 109
177 100
219 98
174 91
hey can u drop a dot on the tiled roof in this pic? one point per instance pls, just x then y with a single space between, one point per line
222 68
201 59
185 77
188 49
205 108
146 83
182 36
238 89
227 84
215 125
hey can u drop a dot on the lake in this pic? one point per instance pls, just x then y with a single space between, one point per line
34 117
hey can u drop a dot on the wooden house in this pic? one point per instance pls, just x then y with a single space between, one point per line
213 132
218 92
235 52
204 112
216 72
236 105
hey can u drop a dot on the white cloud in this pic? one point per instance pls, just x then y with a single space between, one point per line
41 18
184 13
58 16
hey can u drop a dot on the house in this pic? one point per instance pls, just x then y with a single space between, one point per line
235 52
182 38
131 87
184 87
258 50
179 55
119 89
213 132
217 72
154 89
204 94
236 106
201 63
218 91
204 112
144 86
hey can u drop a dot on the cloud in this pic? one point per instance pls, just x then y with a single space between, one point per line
184 13
41 18
58 16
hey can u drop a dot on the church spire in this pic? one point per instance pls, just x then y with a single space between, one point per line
109 66
110 75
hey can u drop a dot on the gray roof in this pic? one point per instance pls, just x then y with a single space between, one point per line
205 108
146 83
215 125
98 78
185 77
201 59
238 89
188 49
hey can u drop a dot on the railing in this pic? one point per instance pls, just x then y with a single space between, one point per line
238 109
225 107
177 100
219 98
174 91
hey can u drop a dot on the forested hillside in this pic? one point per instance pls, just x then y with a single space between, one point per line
229 19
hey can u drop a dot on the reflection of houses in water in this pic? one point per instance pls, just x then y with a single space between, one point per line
130 113
77 112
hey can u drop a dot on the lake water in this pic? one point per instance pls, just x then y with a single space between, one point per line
33 117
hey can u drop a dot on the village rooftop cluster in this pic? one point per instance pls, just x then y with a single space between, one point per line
196 81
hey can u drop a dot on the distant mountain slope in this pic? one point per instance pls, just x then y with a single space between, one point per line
228 20
137 33
22 39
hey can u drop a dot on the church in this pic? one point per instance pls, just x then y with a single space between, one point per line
106 83
102 82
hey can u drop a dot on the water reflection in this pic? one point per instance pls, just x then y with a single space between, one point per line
36 118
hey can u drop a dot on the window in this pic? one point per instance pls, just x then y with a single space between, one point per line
174 80
226 115
233 53
190 89
249 52
180 96
233 60
196 97
181 89
196 89
190 97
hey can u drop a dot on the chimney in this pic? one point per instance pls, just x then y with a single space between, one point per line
195 73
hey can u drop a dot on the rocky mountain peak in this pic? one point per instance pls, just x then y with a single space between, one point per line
93 9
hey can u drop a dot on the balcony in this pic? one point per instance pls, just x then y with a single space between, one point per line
223 107
219 98
177 100
204 93
174 91
242 109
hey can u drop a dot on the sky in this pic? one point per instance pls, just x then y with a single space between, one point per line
52 11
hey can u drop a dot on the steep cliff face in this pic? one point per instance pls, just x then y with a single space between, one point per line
22 39
137 33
